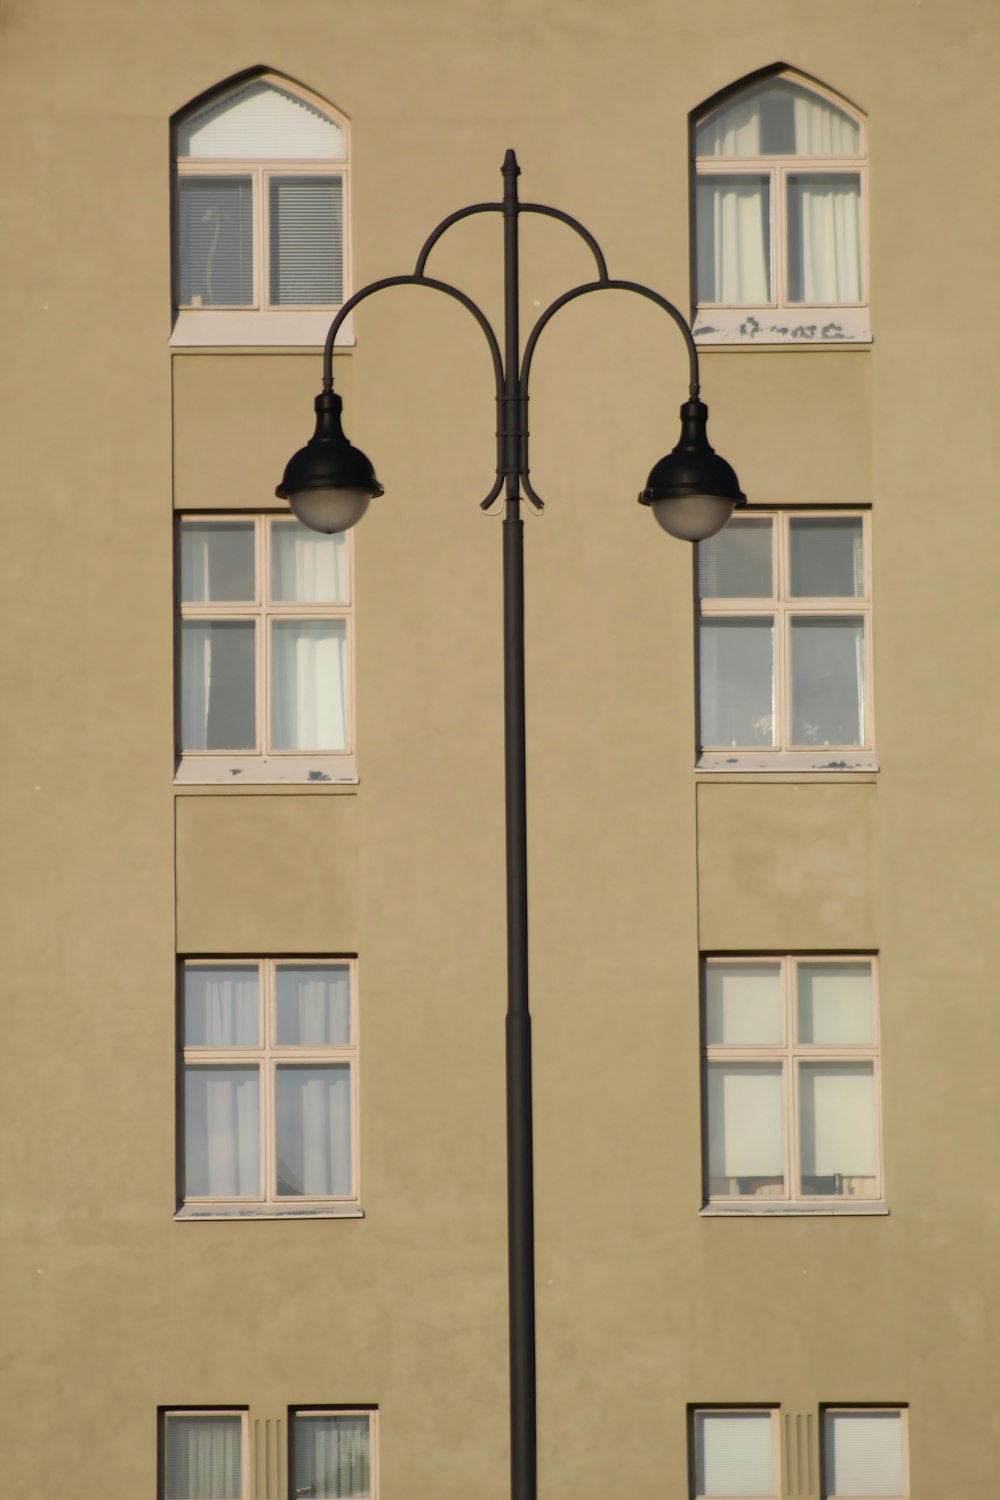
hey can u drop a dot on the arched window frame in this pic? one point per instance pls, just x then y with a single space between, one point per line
261 322
777 319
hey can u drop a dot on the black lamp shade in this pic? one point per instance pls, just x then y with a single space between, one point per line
328 483
692 491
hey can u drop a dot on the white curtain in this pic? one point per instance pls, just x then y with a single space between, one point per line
332 1457
204 1458
221 1006
222 1132
308 685
743 1004
313 1006
733 254
835 1004
863 1453
824 213
306 567
734 1453
821 129
313 1130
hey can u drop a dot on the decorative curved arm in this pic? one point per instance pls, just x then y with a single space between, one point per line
477 313
524 208
605 284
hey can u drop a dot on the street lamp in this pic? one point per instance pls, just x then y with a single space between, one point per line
329 485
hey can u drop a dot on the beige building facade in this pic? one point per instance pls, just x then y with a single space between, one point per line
253 1222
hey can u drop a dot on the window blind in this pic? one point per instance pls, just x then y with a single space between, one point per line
306 243
215 250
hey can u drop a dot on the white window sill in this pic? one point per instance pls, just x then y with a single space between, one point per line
787 760
763 1209
802 327
262 770
193 1211
207 328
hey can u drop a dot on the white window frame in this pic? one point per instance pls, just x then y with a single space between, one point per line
783 607
840 1409
791 1053
780 321
371 1412
261 765
261 324
166 1413
773 1412
266 1057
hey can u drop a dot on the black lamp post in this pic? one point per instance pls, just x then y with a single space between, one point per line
692 491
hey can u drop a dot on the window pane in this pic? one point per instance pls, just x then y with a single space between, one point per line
735 693
215 230
221 1132
313 1005
863 1453
204 1457
313 1131
306 567
777 118
332 1456
736 564
746 1130
824 237
835 1004
743 1004
306 245
837 1129
733 239
216 561
733 1453
308 685
827 556
221 1006
218 685
828 680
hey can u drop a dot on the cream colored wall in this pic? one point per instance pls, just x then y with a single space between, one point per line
110 1308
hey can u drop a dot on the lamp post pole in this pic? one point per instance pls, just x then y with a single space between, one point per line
691 491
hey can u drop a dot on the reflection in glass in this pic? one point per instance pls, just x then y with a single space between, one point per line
308 685
735 683
218 685
736 563
828 680
313 1130
221 1132
824 237
733 239
837 1129
835 1004
313 1005
827 557
332 1456
217 561
221 1005
307 567
746 1130
743 1004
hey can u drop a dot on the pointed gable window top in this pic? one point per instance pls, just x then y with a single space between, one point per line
778 117
262 121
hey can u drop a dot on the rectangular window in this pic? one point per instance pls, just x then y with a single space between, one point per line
332 1454
265 624
865 1453
268 1087
734 1452
204 1455
784 643
791 1091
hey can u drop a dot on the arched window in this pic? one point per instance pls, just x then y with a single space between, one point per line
779 216
260 215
